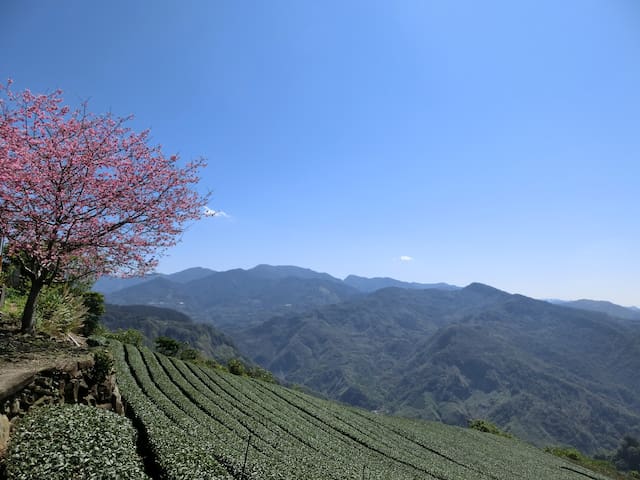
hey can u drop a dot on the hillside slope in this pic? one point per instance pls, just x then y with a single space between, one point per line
154 322
550 374
202 423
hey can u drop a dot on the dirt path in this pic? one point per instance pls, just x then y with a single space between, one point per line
23 356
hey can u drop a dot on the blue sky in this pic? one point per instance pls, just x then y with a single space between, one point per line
493 141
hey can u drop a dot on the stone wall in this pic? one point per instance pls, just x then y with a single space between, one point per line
73 382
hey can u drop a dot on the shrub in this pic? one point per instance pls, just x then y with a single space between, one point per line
189 354
261 374
102 365
73 442
488 427
60 311
94 302
129 336
168 346
236 367
13 305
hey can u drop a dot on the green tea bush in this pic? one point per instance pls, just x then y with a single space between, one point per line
73 442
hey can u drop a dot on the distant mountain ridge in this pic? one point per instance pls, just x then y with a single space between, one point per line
369 285
108 284
629 313
237 298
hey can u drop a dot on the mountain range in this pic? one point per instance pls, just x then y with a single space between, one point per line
238 298
549 373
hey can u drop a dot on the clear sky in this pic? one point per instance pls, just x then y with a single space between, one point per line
455 141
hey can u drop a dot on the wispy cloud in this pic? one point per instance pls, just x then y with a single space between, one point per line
406 258
210 212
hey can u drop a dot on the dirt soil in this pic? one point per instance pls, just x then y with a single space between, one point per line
22 356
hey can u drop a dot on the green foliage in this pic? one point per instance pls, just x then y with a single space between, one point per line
236 367
154 322
73 442
172 441
167 346
60 310
129 336
94 302
601 466
13 305
189 354
102 365
261 374
488 427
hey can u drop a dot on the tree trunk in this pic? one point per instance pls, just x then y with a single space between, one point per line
28 317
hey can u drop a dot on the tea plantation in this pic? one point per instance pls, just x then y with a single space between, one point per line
204 424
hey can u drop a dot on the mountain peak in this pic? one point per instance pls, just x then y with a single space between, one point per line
484 289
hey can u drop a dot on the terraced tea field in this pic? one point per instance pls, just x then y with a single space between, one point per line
205 424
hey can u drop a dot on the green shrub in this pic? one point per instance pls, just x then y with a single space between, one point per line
569 453
73 442
59 310
167 346
599 465
94 302
261 374
102 365
189 354
13 305
488 427
129 336
236 367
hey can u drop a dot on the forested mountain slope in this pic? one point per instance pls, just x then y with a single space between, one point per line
550 374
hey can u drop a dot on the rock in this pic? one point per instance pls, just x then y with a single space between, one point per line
86 364
116 400
5 429
15 407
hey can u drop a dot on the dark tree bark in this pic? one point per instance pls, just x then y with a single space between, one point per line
28 317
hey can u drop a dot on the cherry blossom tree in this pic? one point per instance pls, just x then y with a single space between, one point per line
84 195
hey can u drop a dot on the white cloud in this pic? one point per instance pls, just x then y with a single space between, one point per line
406 258
210 212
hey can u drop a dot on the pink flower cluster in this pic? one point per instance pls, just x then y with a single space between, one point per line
83 194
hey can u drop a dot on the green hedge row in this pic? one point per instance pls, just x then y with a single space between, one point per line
73 442
180 454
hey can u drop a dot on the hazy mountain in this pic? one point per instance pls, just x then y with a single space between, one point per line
629 313
108 284
154 322
237 298
190 274
549 374
286 271
372 284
